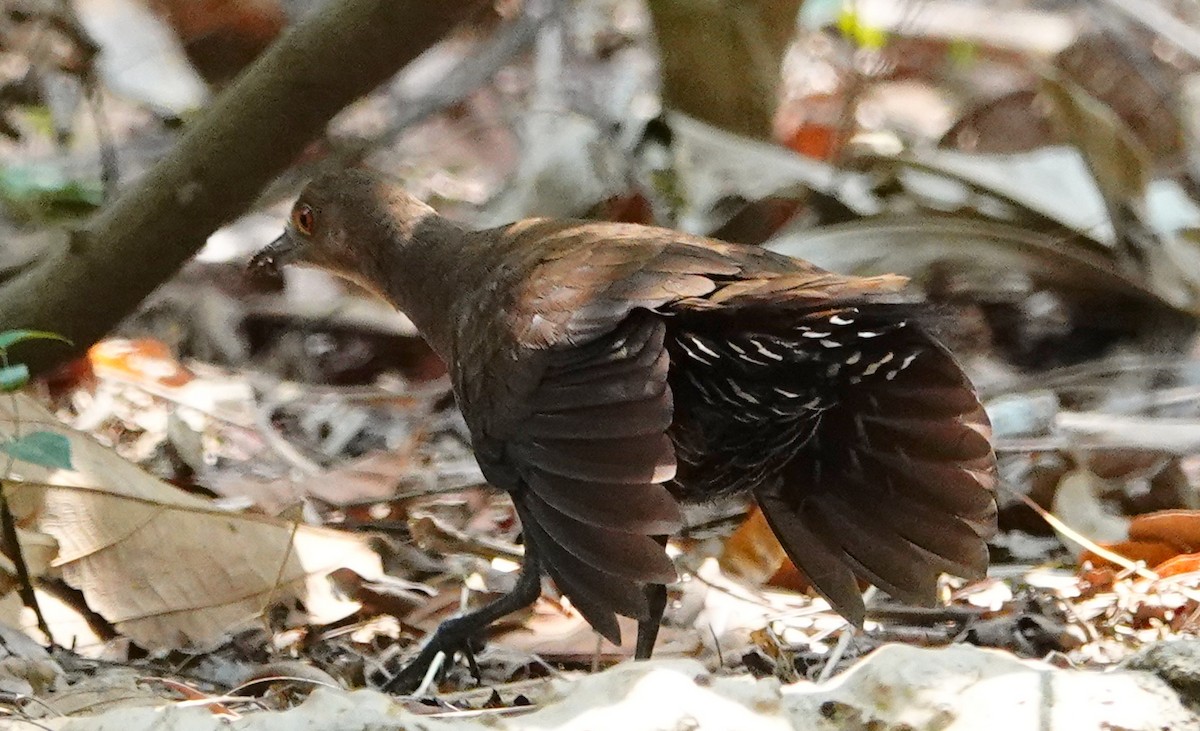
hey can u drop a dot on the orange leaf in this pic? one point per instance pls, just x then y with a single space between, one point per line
1180 528
752 553
1150 552
1183 564
144 361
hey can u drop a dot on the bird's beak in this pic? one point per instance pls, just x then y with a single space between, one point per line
271 258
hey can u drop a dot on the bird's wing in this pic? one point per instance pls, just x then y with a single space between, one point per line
564 388
585 453
591 275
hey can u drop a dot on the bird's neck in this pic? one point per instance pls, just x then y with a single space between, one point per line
429 276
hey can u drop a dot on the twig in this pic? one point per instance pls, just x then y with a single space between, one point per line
835 655
110 171
1083 540
596 653
287 556
254 129
839 650
38 701
434 668
717 645
466 77
236 692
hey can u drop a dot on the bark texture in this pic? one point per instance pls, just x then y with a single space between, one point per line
721 60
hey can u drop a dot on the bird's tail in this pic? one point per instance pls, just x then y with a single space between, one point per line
896 482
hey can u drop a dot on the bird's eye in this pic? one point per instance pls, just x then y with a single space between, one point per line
303 219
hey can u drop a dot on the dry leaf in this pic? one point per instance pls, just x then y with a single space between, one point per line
220 37
1179 528
1016 121
1077 504
1151 553
1119 161
1137 84
752 553
147 362
1188 563
165 567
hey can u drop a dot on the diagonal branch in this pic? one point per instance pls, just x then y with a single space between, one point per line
253 131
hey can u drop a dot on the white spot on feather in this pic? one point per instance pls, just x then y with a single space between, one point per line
741 393
839 320
870 370
691 353
762 349
700 344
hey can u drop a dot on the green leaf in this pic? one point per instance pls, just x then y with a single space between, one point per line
41 447
9 338
13 378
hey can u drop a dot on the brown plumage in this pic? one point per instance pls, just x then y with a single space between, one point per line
607 371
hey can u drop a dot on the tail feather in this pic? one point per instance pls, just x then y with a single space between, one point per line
860 436
822 562
903 487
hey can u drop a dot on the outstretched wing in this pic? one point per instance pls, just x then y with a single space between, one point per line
567 397
592 456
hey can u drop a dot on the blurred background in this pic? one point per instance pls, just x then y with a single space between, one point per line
1031 166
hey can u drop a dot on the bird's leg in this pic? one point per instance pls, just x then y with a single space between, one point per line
455 634
647 633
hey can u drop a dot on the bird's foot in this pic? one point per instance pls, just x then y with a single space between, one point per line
452 638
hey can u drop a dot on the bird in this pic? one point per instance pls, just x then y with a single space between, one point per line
610 373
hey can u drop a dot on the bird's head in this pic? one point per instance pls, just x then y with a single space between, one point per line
346 222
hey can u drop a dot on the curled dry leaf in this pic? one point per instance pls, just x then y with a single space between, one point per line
1077 504
1166 540
1119 162
968 252
165 567
1179 528
1187 563
1151 553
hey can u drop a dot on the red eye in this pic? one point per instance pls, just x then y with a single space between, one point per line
302 219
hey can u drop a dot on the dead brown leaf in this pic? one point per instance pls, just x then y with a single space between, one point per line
752 553
1178 528
164 566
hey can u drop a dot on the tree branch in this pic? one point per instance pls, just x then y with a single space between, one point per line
721 60
252 131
